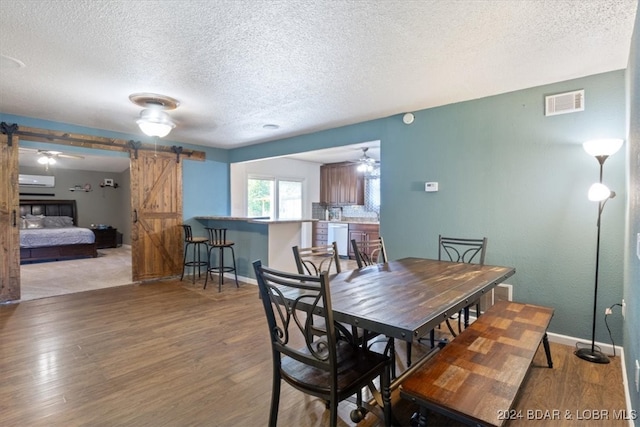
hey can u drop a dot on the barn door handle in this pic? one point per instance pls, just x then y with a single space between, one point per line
14 217
135 216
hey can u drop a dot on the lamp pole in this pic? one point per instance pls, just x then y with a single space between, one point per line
591 354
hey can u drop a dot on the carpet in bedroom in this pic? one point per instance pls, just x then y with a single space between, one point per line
111 268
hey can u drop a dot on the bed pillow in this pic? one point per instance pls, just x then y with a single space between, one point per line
57 221
23 223
34 223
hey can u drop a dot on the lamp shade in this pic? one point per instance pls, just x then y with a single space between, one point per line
599 192
154 122
602 147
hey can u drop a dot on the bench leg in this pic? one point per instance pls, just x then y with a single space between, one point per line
547 350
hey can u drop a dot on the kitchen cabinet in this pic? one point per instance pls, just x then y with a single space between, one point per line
341 184
319 233
360 233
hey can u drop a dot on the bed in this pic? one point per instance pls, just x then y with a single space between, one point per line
49 231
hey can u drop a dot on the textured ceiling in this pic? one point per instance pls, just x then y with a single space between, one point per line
303 65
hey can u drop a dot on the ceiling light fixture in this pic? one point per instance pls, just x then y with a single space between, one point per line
154 121
367 164
46 160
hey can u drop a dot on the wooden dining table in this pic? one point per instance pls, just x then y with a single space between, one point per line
407 298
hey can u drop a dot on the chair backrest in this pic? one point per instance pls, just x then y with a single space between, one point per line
188 235
290 318
217 236
317 259
369 252
462 250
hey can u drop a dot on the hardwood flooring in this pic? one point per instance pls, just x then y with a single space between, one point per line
171 354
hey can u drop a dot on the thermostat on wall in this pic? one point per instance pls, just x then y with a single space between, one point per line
430 186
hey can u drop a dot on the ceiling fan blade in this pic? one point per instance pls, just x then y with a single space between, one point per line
28 150
69 156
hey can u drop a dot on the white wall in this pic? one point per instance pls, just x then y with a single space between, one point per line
308 172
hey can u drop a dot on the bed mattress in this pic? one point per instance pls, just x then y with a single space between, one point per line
43 237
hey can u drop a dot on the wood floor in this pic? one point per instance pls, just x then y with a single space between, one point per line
172 354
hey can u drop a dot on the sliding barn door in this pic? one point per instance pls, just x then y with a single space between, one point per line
156 233
9 216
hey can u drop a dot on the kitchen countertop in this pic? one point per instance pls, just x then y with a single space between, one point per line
255 220
355 221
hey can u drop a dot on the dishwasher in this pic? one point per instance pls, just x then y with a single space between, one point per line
339 232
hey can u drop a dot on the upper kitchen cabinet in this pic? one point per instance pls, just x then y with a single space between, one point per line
341 184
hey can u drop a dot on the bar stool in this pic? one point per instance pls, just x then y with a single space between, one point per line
195 243
218 240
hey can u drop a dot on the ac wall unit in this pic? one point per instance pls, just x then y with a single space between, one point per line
563 103
37 180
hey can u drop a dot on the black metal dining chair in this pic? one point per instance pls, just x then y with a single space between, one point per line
455 249
323 362
317 259
369 252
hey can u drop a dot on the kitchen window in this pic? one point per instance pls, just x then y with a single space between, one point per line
266 196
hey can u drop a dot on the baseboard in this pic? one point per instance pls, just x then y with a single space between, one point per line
571 341
242 279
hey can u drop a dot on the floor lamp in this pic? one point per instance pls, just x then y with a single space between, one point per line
601 149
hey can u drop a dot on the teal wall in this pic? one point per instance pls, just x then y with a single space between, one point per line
632 261
509 173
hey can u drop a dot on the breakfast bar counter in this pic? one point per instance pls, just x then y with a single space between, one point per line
260 238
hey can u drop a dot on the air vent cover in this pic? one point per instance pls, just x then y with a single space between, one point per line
563 103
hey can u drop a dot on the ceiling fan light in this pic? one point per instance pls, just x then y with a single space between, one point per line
155 122
46 160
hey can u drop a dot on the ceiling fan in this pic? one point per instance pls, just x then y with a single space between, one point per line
49 157
365 163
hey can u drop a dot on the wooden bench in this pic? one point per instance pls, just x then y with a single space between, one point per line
476 377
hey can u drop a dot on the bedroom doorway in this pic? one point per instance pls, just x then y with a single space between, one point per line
99 205
159 244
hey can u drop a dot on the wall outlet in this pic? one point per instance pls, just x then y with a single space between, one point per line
623 308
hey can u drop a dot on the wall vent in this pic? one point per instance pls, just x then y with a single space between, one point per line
37 180
563 103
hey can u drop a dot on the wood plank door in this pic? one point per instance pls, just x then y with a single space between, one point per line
156 206
9 217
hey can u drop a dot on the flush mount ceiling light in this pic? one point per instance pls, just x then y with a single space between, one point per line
154 120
